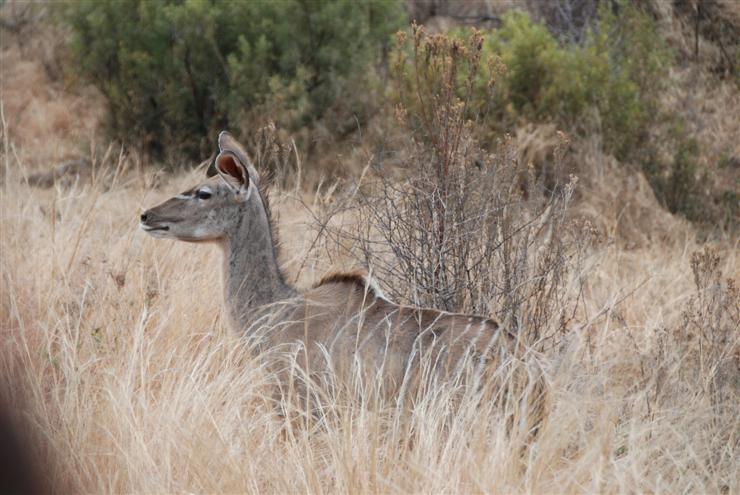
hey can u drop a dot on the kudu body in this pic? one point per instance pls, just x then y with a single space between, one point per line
343 323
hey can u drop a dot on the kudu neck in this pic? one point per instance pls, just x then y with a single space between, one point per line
252 277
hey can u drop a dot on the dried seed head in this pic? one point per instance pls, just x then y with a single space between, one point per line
400 39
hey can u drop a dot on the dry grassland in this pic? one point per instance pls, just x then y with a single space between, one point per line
118 354
116 358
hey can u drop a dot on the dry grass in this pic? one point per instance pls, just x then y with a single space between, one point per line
52 118
116 354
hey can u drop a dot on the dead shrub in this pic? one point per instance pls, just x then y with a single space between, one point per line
457 227
702 350
697 362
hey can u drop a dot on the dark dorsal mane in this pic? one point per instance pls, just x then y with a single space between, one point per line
359 279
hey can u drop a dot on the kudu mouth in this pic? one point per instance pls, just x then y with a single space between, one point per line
151 228
149 223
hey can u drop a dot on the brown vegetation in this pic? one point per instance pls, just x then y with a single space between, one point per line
115 354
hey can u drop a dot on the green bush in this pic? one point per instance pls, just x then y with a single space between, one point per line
174 72
674 178
610 82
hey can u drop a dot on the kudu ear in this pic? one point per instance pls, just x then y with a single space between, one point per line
226 142
233 172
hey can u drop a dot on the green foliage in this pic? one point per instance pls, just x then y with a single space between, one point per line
674 180
684 187
611 82
175 71
681 181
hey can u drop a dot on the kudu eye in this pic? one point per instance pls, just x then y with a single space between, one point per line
202 194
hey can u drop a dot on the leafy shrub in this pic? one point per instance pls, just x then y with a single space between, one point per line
609 83
675 178
175 71
612 80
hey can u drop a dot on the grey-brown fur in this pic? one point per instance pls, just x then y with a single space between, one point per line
342 323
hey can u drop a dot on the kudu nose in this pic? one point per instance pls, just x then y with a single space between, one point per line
143 217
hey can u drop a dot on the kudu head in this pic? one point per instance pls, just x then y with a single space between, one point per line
215 208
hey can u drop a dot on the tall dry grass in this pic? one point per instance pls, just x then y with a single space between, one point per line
117 359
